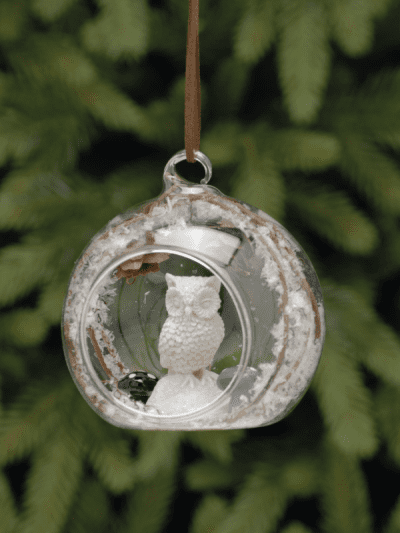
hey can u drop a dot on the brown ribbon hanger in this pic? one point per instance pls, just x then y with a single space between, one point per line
192 85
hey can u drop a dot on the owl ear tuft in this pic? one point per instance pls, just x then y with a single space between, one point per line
214 282
170 279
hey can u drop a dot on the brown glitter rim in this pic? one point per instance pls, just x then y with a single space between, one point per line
98 351
77 371
307 288
112 350
296 364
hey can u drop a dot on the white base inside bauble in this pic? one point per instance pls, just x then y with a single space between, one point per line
175 394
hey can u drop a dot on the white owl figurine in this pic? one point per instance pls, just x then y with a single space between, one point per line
193 331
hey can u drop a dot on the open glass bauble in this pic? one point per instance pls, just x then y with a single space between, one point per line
193 311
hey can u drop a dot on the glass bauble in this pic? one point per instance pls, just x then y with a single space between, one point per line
193 311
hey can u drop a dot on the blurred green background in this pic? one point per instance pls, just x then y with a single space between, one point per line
301 118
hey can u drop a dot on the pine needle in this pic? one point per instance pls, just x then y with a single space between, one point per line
303 57
236 75
331 214
8 506
255 31
387 417
113 463
216 443
206 475
375 175
221 143
150 504
120 30
296 527
301 476
109 105
299 149
393 522
209 514
23 426
352 24
91 510
50 10
157 450
257 508
344 400
345 501
52 484
376 344
22 268
258 181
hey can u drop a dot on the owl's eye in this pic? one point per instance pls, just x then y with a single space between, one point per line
206 303
174 299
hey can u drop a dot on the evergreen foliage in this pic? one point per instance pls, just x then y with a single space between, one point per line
316 146
304 57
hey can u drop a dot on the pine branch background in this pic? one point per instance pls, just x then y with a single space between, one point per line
300 117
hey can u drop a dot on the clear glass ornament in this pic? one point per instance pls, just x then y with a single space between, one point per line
193 311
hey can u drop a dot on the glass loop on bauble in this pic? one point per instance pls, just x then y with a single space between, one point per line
181 156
